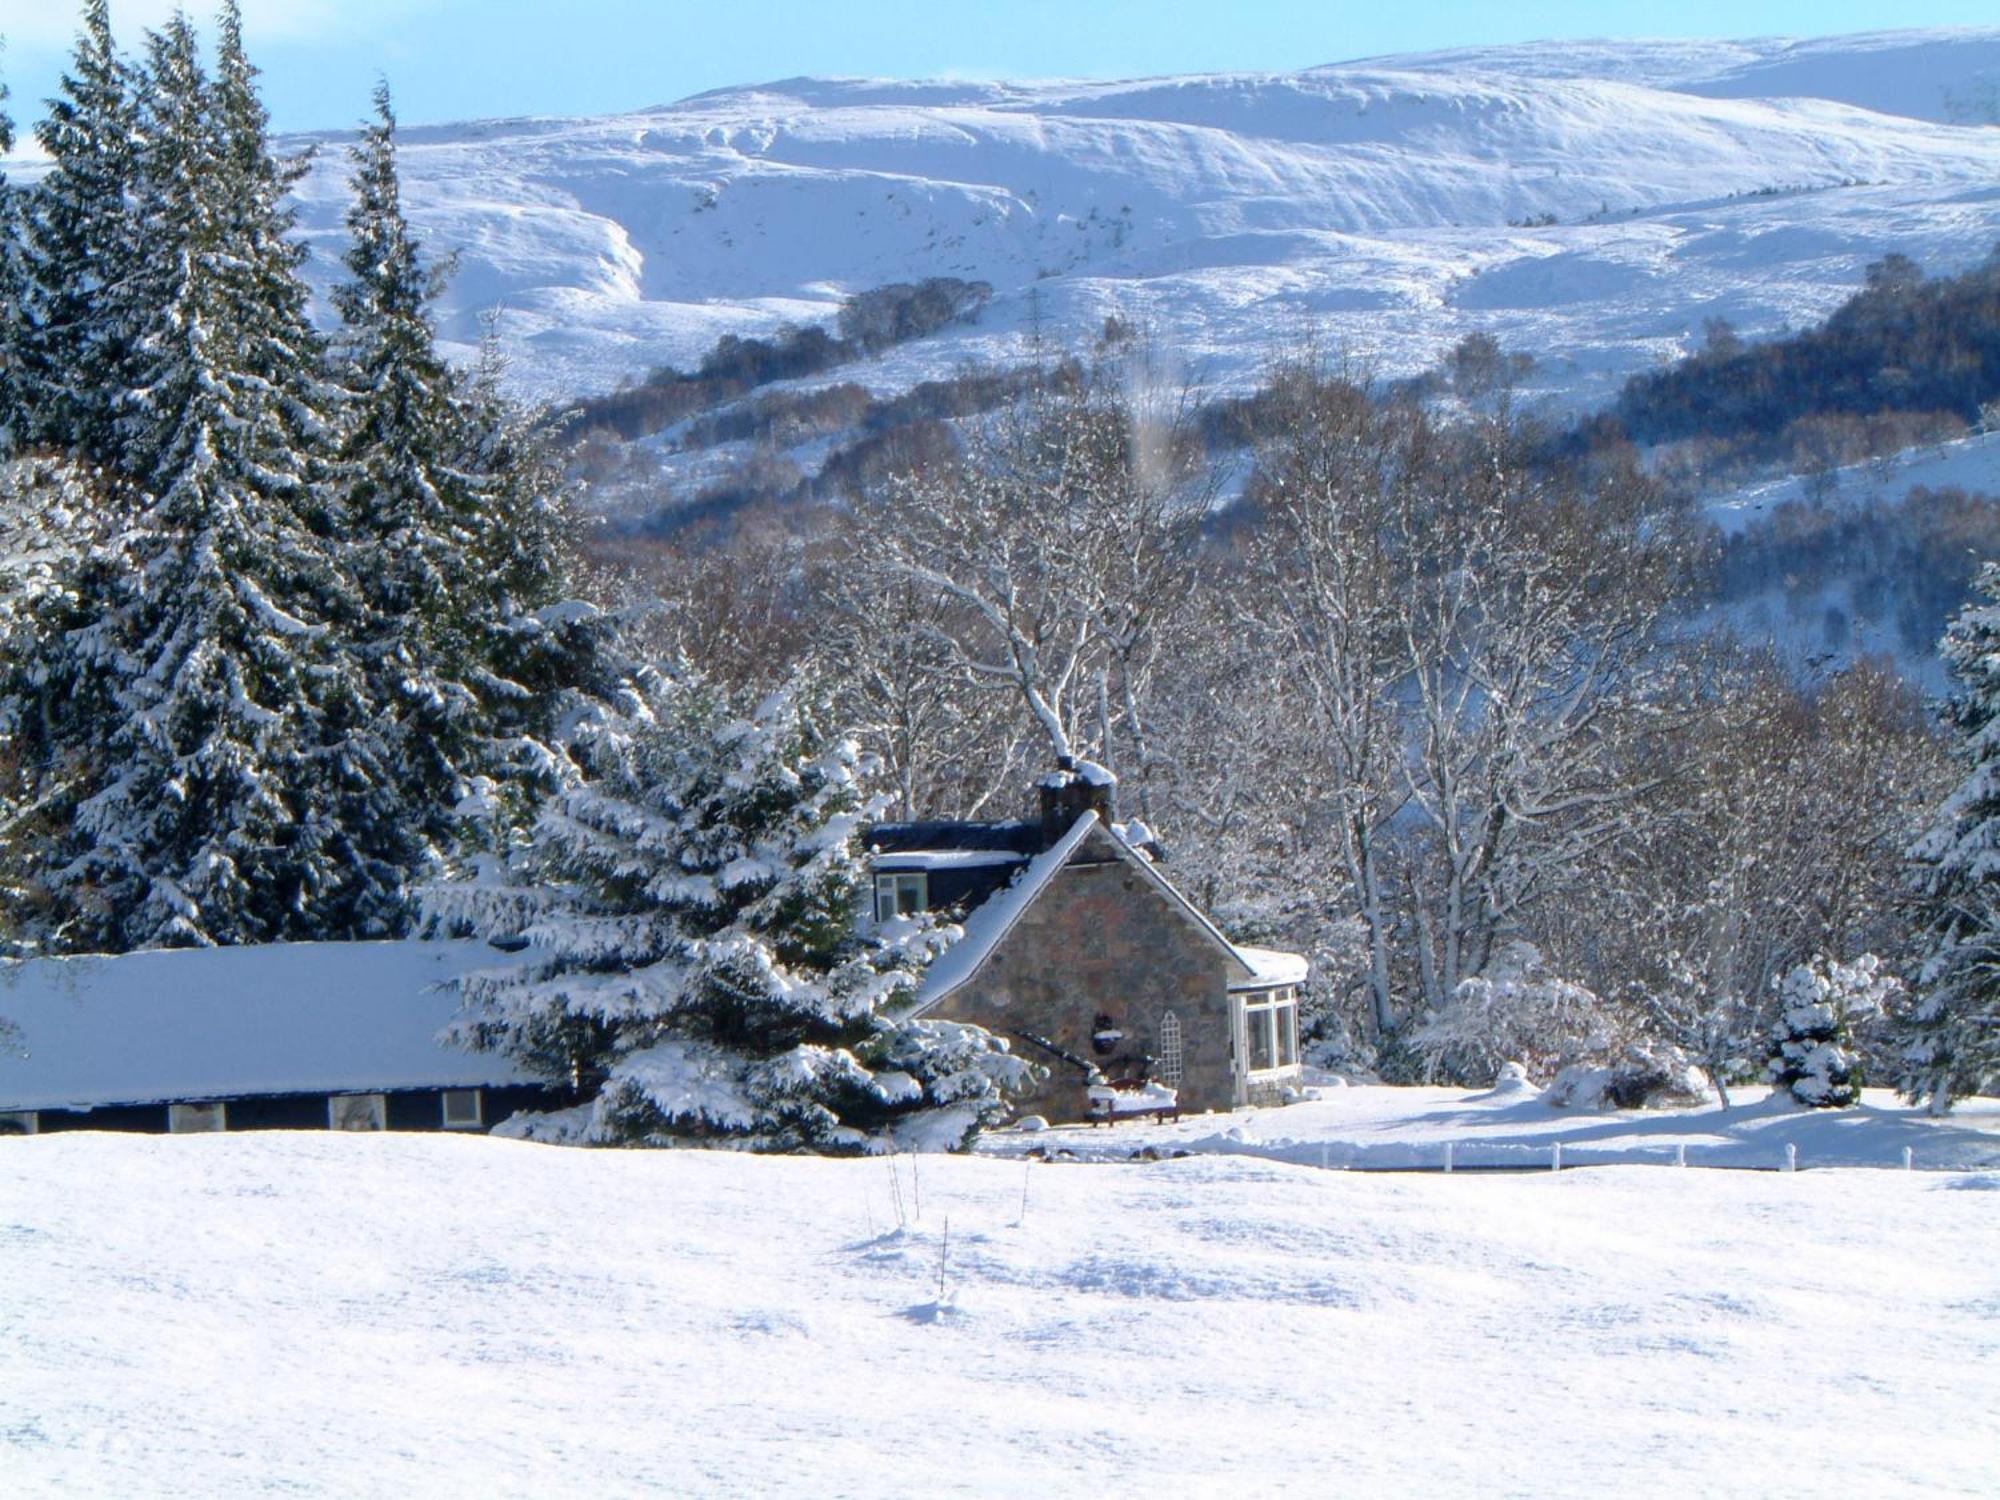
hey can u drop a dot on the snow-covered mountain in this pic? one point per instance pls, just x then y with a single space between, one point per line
1589 203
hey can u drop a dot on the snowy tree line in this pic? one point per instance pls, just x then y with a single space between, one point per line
284 637
1401 693
291 653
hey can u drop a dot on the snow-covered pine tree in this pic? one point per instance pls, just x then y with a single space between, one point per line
523 546
49 519
696 955
455 545
273 303
408 514
13 288
1813 1056
81 246
408 510
193 690
1952 1044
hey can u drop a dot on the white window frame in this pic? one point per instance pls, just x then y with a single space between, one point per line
20 1122
378 1103
203 1118
478 1120
1276 1011
892 886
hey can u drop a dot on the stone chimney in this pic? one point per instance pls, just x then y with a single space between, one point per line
1073 789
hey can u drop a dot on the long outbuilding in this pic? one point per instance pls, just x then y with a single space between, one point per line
294 1036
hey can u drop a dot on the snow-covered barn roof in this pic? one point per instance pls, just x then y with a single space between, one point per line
216 1023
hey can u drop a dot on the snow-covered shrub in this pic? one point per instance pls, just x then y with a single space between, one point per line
1644 1075
1515 1011
1812 1042
696 955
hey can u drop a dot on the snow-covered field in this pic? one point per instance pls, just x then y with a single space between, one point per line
337 1315
1589 203
1510 1128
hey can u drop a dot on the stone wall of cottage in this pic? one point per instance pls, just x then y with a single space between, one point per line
1103 944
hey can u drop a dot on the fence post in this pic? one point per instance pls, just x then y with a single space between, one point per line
1791 1157
1556 1157
1681 1154
1447 1156
1909 1158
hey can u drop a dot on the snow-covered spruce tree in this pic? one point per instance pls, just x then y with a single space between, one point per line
545 663
272 302
454 544
1813 1055
408 512
49 518
189 696
81 245
1952 1027
696 957
13 294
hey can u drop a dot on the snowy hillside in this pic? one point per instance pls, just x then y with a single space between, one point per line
1971 463
338 1315
1588 203
1945 75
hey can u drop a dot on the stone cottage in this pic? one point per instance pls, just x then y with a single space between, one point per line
1082 952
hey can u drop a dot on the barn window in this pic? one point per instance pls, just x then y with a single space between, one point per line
461 1109
1169 1066
197 1119
19 1122
357 1112
901 895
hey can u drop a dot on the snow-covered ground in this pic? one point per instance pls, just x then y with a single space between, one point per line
1971 464
1589 203
340 1315
1511 1128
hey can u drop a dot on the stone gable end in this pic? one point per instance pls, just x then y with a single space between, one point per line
1102 941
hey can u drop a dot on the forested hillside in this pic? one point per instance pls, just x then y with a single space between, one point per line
1907 356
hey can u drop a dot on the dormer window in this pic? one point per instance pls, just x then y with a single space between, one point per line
902 894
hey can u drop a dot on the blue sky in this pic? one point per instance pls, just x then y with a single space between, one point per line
460 59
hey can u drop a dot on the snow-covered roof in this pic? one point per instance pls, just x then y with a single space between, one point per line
216 1023
1270 967
947 859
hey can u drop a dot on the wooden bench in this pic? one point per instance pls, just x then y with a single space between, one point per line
1130 1099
